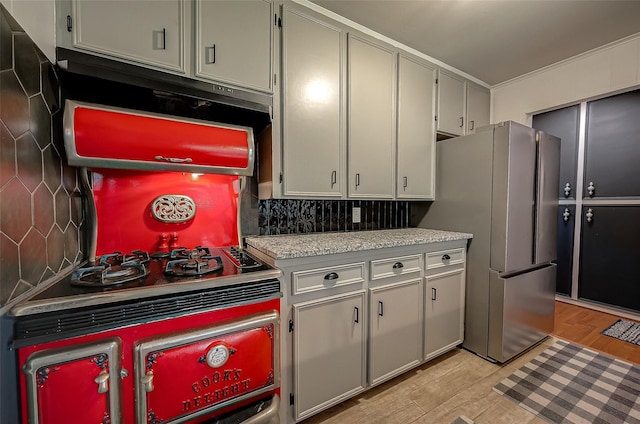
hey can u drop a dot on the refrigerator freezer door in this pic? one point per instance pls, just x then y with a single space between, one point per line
513 197
547 198
521 310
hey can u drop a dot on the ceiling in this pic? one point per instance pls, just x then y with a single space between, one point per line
495 40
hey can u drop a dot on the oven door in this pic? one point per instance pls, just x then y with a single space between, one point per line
187 375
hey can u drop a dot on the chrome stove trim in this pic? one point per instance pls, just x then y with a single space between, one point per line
267 416
112 347
141 349
134 293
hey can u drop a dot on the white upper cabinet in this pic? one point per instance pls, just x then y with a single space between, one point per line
416 129
234 42
478 107
150 33
312 106
371 134
451 103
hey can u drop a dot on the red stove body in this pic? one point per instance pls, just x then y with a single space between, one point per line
169 321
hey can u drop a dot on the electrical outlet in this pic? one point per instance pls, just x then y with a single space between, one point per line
356 215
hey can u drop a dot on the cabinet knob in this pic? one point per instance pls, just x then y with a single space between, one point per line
566 214
589 215
591 189
102 380
398 265
331 276
567 190
147 382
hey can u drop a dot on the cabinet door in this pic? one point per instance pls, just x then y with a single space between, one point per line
147 32
57 379
565 124
371 119
609 255
395 328
478 107
451 103
234 42
444 312
566 226
416 130
312 114
613 147
329 351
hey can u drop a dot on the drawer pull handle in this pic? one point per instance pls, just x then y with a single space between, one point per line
147 382
380 308
357 313
398 265
434 293
446 257
331 276
102 380
174 160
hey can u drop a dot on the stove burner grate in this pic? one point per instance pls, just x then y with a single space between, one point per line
112 269
201 265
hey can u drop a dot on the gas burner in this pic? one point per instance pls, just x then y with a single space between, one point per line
197 252
112 269
203 264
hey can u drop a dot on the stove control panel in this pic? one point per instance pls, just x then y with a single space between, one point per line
241 259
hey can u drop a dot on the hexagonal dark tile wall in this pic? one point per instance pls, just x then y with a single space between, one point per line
14 108
9 267
52 168
33 257
55 249
6 44
26 63
7 155
50 86
71 245
43 209
63 209
40 121
77 216
15 210
29 161
21 288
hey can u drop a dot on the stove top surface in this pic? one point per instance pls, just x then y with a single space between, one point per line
225 266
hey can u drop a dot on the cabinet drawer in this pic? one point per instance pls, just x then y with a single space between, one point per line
325 278
384 268
444 258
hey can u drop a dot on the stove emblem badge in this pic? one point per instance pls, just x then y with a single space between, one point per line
173 208
218 356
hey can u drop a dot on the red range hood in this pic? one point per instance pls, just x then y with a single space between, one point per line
98 136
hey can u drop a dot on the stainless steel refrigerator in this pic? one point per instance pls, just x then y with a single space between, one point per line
501 184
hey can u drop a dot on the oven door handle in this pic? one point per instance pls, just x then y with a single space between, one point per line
268 416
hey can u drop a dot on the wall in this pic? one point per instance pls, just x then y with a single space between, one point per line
609 69
37 17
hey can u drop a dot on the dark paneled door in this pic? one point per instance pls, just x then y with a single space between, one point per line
610 253
563 123
566 225
613 147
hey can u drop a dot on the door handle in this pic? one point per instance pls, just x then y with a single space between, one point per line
446 257
405 183
174 160
380 308
434 293
147 382
334 178
357 314
331 276
398 265
357 180
461 122
102 380
160 38
210 54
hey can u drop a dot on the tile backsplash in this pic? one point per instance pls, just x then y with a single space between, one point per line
313 216
41 218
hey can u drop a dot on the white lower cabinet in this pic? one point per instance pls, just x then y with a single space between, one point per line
444 311
395 322
329 353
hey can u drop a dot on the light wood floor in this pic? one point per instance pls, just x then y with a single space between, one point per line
460 383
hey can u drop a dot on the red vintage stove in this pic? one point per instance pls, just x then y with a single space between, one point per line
169 321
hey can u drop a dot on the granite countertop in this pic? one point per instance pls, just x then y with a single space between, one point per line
302 245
